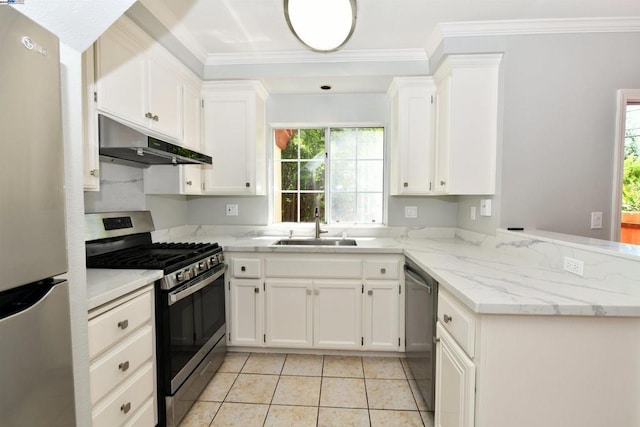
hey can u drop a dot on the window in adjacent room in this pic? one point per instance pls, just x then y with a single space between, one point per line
339 170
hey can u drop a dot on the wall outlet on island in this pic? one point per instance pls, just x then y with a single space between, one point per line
574 266
232 210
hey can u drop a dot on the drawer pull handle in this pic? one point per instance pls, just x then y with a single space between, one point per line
124 366
123 324
243 268
447 318
383 270
126 407
436 340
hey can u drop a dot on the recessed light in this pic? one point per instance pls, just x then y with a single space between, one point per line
325 87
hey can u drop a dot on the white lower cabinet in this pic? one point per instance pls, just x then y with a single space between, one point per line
455 384
316 301
122 361
245 312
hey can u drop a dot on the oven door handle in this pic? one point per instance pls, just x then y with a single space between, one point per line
179 294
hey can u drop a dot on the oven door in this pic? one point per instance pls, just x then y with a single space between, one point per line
194 318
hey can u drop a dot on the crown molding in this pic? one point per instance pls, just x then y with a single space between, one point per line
530 27
377 55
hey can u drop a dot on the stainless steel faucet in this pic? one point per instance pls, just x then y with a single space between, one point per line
318 231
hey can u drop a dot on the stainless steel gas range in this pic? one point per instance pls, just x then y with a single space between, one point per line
190 312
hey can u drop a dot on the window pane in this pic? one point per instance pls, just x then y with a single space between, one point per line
343 175
343 144
289 207
289 175
369 208
343 207
370 175
312 175
370 143
312 144
308 203
291 149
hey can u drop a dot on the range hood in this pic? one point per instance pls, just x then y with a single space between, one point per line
122 144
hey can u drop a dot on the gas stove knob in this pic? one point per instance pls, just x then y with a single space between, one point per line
213 260
179 276
202 265
220 257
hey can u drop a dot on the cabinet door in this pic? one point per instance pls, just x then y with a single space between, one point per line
455 384
443 129
91 166
288 313
245 317
191 117
337 312
381 315
165 95
122 77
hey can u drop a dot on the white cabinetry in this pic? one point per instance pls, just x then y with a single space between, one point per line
316 301
90 146
235 135
122 361
467 90
412 135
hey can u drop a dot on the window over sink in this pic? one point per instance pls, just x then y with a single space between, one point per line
340 170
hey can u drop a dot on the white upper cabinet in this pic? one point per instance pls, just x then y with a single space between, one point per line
90 146
466 124
138 82
235 136
412 135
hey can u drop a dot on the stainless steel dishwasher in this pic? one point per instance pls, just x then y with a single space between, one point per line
420 328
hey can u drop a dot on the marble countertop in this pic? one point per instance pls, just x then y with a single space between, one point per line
105 285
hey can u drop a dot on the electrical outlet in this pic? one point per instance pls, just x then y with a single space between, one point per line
596 220
574 266
472 214
411 212
232 210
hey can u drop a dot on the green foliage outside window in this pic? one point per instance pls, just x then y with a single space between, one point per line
631 177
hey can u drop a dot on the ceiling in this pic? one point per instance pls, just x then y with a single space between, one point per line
250 38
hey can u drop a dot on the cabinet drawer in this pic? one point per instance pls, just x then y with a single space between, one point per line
381 269
115 324
145 417
330 268
126 401
120 363
247 268
458 321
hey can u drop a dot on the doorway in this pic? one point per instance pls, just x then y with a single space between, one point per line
626 208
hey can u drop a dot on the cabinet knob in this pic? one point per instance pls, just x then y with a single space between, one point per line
447 318
406 184
256 290
126 407
148 115
189 182
247 184
243 268
308 291
370 292
442 182
383 271
123 324
124 366
436 340
155 118
94 172
316 292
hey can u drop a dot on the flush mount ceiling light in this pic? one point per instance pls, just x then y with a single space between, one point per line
321 25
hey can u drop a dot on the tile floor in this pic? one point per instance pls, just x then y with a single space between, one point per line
256 389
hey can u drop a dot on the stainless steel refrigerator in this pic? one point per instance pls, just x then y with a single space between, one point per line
36 377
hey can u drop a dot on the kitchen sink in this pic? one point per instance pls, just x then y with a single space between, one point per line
316 242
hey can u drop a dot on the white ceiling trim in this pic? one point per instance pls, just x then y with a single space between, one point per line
179 31
377 55
530 26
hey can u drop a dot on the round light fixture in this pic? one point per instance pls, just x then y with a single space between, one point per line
321 25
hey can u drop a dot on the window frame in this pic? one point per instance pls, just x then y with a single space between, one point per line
273 188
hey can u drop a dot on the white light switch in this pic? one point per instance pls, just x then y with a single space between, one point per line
411 212
485 207
473 213
232 210
596 220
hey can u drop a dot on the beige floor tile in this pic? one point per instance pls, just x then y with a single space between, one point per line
233 362
304 391
259 363
241 415
332 417
395 418
343 393
422 405
343 367
388 368
407 369
288 416
427 418
252 388
308 365
218 387
200 414
390 394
